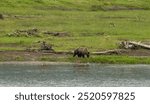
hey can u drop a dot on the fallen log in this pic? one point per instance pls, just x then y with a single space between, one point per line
133 45
139 44
108 52
126 45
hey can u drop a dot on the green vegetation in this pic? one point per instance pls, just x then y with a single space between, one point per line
109 59
96 24
101 59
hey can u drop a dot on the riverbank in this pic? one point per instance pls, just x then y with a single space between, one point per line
66 25
128 57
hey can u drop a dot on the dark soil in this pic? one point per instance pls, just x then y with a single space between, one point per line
25 56
140 52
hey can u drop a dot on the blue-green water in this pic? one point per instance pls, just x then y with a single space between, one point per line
74 75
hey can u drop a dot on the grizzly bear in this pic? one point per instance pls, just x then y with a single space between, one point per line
81 52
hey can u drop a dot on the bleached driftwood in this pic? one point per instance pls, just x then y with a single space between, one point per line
126 45
139 44
133 45
108 52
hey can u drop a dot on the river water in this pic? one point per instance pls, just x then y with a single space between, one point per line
71 75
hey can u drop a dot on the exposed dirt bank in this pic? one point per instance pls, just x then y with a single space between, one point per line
34 56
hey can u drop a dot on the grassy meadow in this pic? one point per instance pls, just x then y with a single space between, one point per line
96 24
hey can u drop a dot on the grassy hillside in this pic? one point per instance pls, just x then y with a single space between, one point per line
96 24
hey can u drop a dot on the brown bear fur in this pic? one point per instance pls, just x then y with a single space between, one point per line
81 52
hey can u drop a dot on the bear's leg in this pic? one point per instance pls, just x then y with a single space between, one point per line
87 55
79 55
74 55
83 55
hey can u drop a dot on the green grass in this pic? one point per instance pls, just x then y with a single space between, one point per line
85 28
100 59
18 43
89 23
